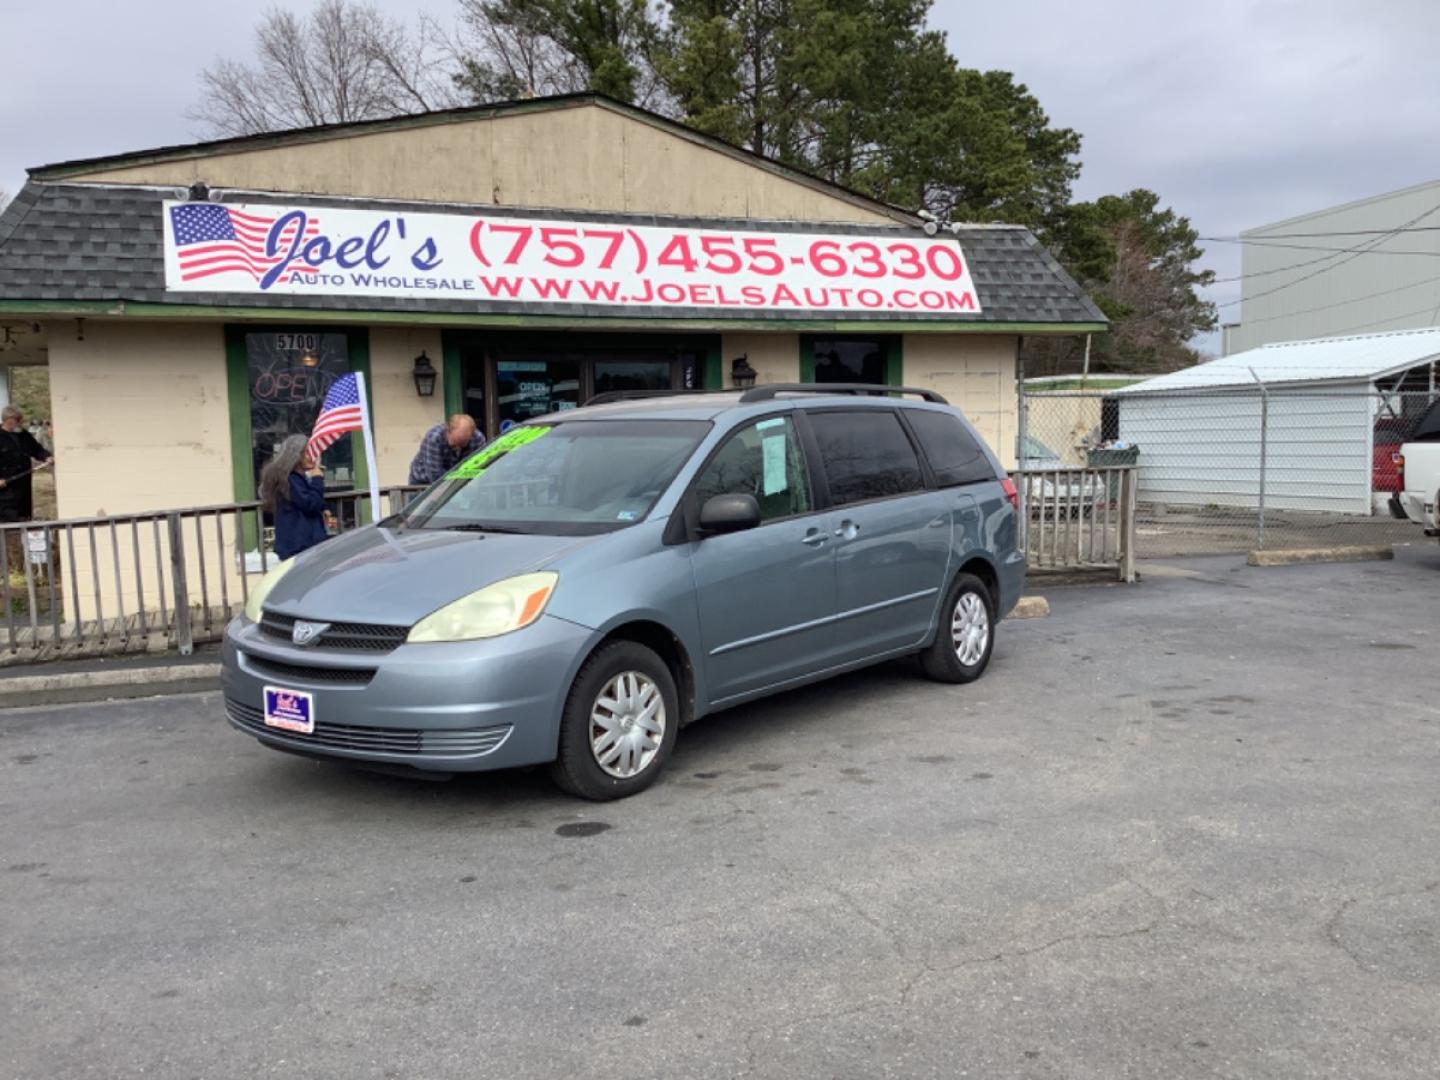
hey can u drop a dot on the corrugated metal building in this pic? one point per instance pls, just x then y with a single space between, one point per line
1343 270
1199 429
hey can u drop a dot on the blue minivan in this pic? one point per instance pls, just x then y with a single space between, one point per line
591 582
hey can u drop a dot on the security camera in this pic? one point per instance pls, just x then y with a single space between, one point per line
932 227
926 215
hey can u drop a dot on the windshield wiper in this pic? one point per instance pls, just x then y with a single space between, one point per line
480 526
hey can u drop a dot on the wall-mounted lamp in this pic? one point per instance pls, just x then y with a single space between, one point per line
424 373
742 375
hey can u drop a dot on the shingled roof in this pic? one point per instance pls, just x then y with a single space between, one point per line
85 242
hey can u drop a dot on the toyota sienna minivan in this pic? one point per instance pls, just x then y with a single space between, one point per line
585 586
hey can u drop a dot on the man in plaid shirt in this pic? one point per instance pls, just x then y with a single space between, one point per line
443 447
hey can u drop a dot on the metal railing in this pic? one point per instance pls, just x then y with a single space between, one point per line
154 581
1072 517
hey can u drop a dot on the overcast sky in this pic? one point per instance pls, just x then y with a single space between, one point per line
1238 112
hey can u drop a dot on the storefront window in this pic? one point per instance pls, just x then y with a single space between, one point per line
851 360
289 374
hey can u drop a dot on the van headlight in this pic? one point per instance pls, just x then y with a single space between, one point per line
494 610
262 589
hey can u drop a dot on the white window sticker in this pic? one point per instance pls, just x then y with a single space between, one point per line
773 449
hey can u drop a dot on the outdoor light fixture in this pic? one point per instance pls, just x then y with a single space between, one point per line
741 373
199 192
424 374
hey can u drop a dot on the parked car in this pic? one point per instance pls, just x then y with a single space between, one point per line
1389 437
592 581
1061 489
1418 468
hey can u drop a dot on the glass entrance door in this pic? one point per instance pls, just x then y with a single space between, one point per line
525 389
633 375
503 379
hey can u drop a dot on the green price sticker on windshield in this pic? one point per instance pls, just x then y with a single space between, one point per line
476 464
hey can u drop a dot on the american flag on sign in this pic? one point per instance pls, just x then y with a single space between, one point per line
339 415
214 239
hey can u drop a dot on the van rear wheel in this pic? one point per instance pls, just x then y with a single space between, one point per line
619 723
965 637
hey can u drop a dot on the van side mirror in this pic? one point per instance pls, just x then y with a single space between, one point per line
729 513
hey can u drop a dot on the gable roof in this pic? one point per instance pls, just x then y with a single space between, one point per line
1363 357
103 243
66 170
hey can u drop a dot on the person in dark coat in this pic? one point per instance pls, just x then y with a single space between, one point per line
292 489
19 452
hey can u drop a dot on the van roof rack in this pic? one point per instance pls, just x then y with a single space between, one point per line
634 395
772 390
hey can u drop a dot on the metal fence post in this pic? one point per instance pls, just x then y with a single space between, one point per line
1264 432
1022 422
184 636
1128 507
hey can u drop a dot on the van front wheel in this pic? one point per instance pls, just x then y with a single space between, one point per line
619 723
965 637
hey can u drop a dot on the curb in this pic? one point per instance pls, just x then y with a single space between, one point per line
68 687
1292 556
1031 607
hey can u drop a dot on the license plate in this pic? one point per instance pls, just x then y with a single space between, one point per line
290 710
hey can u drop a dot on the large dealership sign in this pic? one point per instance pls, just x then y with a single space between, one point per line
329 251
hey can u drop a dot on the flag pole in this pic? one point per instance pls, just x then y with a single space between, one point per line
374 473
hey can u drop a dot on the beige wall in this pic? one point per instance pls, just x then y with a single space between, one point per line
141 423
401 415
141 417
580 158
775 356
975 372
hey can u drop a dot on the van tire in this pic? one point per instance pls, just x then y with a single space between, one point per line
576 768
966 600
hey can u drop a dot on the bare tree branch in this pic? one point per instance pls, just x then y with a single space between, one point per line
345 62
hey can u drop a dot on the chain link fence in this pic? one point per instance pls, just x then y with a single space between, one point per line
1235 470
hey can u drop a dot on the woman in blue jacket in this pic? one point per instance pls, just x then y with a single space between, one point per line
292 489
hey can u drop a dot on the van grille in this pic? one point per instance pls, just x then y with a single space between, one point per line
474 742
362 637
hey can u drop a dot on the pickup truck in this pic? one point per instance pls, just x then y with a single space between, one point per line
1418 467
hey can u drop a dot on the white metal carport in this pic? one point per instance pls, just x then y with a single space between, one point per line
1200 433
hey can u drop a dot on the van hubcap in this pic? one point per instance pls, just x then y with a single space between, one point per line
970 629
627 724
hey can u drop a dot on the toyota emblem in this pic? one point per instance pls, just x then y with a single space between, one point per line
303 633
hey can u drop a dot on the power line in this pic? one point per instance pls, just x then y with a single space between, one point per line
1267 273
1243 239
1342 303
1314 247
1381 322
1353 254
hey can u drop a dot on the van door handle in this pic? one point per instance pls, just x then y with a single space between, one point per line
814 538
848 530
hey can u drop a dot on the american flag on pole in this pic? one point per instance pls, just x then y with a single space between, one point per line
341 413
214 239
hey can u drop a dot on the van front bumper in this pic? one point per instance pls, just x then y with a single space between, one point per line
447 707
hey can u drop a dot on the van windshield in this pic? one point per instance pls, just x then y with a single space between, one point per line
571 479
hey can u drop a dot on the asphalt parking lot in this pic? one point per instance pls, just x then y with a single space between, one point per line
1185 829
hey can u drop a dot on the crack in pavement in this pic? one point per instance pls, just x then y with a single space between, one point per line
1331 929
